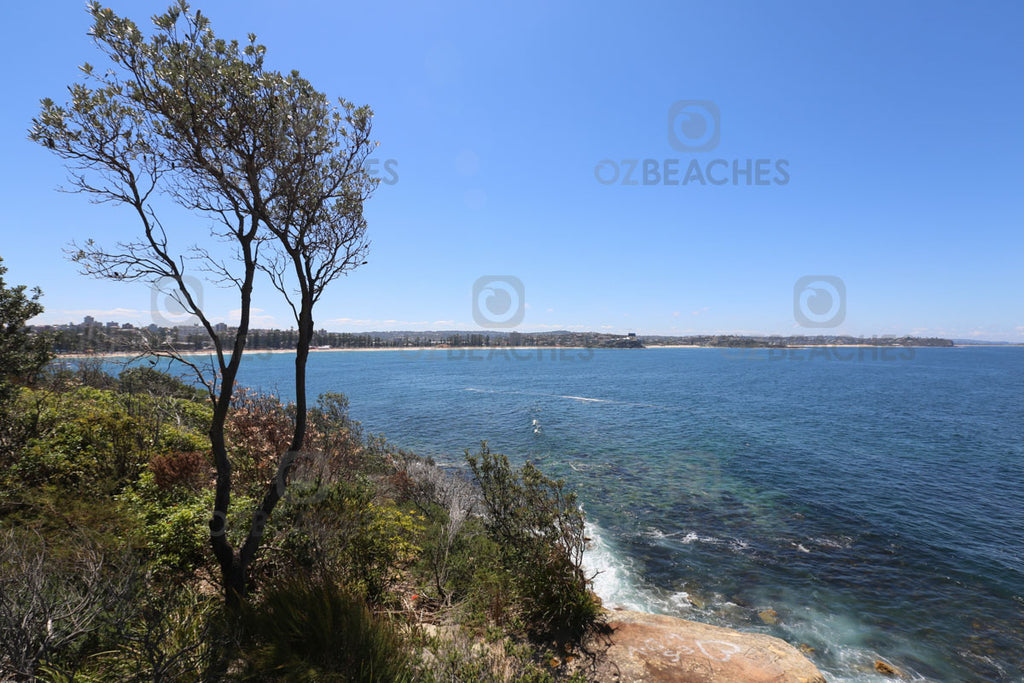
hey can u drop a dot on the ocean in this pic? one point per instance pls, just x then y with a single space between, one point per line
861 504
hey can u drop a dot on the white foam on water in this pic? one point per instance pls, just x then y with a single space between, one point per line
583 399
839 542
852 661
694 537
739 545
680 601
618 585
615 582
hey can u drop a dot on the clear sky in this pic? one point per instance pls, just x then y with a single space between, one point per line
891 134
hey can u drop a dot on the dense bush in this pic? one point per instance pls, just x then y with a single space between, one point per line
345 531
539 529
152 382
94 615
447 501
363 529
174 636
258 432
170 525
95 440
82 439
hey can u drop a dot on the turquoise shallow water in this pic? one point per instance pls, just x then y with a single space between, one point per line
874 501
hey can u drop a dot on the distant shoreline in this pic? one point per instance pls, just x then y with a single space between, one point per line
408 349
252 352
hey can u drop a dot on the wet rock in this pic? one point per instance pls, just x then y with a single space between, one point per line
887 669
648 648
769 616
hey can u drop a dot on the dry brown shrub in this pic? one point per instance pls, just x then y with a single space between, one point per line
191 470
258 431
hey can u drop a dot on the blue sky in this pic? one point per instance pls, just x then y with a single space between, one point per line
899 124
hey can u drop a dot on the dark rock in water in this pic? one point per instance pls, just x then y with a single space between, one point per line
649 648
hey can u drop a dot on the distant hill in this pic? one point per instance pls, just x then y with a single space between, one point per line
980 342
92 337
778 341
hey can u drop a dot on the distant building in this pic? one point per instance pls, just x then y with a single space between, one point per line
183 332
89 321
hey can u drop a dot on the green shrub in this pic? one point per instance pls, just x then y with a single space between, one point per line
144 380
302 631
172 524
83 440
174 440
539 529
97 441
344 530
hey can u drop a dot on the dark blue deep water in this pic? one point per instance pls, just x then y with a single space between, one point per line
873 499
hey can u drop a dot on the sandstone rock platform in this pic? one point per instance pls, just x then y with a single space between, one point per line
649 648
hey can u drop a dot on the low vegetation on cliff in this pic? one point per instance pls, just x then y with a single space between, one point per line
378 565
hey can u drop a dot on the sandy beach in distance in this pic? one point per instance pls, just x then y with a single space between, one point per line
251 352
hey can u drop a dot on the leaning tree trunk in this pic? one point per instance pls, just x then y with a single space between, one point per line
236 574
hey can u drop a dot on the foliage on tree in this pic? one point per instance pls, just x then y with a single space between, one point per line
22 354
